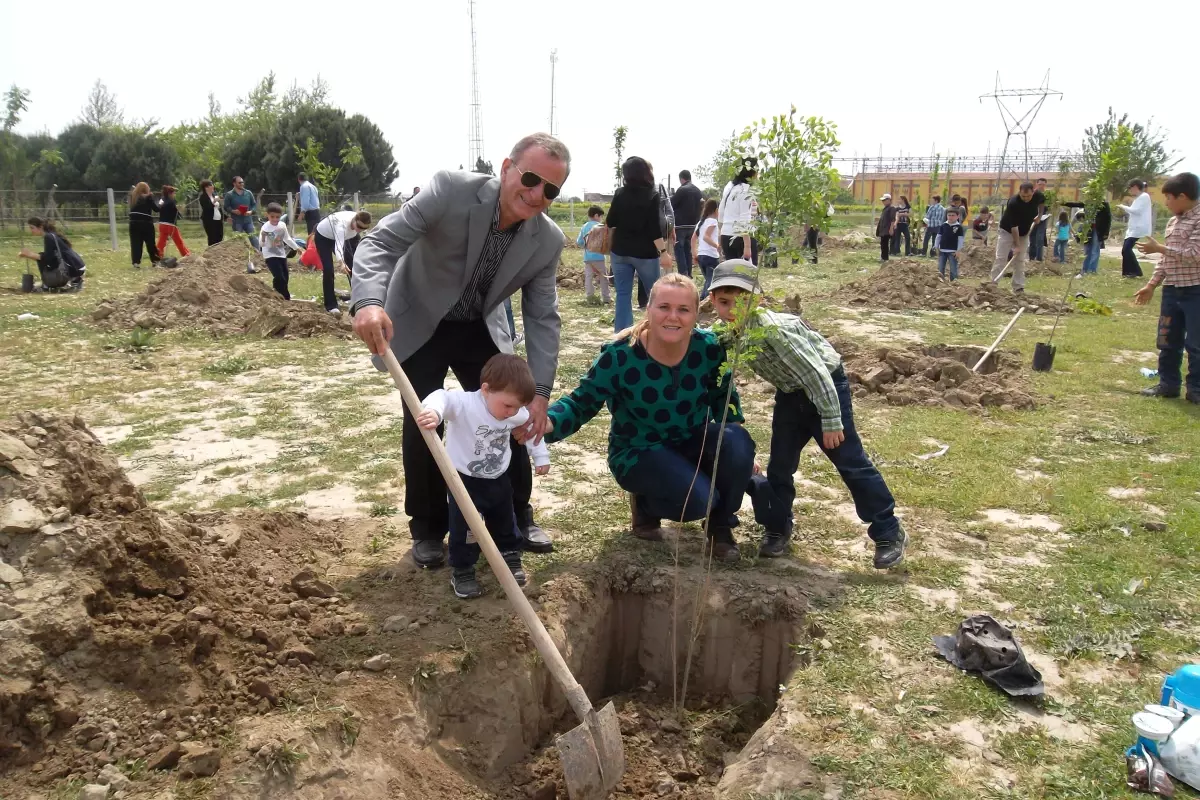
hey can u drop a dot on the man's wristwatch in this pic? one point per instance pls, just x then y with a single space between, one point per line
662 250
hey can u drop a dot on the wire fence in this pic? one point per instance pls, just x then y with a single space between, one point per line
92 211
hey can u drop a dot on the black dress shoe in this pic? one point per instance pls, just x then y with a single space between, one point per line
1160 391
428 553
536 539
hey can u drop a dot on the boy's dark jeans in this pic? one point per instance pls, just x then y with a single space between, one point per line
795 422
493 497
1179 330
279 276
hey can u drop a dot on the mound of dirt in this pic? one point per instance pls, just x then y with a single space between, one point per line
211 291
140 650
907 283
129 634
850 241
938 375
976 260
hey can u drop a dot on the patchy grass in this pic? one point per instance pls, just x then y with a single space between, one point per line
1106 604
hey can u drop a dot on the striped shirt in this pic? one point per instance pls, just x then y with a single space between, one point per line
795 358
1180 265
470 305
935 215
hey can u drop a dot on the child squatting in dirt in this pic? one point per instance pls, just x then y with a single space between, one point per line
812 401
479 427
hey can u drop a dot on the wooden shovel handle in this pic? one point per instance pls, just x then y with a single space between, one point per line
576 696
999 339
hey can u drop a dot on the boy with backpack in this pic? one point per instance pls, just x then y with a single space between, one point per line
594 268
477 440
812 401
60 267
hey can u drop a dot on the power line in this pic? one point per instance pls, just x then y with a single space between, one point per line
1014 125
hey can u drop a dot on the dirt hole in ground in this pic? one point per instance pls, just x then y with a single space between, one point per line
498 720
256 653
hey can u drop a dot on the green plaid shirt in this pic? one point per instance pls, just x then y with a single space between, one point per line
795 358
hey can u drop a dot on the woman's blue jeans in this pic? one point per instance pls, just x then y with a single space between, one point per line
624 268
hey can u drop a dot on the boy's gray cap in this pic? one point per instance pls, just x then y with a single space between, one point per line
736 272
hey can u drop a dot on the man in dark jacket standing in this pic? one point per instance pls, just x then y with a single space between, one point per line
687 202
886 226
1094 238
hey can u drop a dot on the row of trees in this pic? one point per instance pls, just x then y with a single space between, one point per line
267 139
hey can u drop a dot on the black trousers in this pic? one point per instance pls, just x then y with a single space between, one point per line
311 218
1130 268
734 247
885 247
325 251
901 230
141 233
279 276
810 241
493 499
215 230
463 348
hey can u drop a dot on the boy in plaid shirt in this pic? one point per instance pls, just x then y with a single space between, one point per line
812 401
1179 274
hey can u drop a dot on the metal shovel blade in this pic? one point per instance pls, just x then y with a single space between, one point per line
593 759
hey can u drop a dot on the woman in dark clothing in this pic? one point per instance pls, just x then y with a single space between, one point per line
663 383
639 250
56 251
141 224
903 209
168 222
210 213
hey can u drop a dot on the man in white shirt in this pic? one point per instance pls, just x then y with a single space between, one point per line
1139 226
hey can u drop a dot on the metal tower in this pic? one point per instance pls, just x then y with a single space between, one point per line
553 61
1014 125
475 138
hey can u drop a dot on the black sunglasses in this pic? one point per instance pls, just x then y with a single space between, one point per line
530 180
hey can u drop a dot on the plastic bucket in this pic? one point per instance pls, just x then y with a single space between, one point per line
1043 357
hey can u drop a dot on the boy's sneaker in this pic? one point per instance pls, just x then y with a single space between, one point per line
513 559
775 545
889 554
466 585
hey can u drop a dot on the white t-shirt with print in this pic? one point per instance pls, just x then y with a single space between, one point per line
275 240
476 441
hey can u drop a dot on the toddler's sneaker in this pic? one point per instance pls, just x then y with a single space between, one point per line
466 585
513 559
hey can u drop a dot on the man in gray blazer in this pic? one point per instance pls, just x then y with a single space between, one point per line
430 282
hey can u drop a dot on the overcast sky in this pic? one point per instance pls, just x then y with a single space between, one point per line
680 75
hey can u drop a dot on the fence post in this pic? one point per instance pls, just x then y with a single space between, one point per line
290 209
572 212
112 219
357 202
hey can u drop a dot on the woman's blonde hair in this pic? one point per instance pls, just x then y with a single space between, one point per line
141 189
671 279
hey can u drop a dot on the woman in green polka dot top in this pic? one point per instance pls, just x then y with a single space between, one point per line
662 383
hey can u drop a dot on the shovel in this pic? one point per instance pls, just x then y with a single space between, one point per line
1043 352
593 758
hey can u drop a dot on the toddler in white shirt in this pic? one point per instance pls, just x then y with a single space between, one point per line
479 427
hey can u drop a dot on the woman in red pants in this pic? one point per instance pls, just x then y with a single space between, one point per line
168 218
